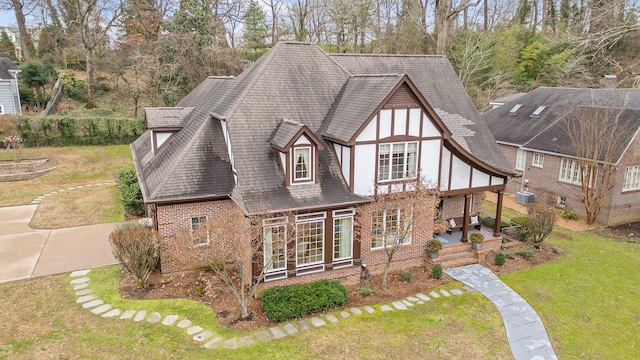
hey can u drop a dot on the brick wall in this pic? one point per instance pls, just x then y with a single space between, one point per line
617 208
178 252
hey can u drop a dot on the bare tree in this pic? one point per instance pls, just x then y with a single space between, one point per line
18 7
445 15
275 7
597 136
95 18
244 248
394 213
539 225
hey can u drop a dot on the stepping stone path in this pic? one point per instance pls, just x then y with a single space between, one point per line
91 302
39 199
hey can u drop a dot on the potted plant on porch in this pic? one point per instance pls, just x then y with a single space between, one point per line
476 239
433 247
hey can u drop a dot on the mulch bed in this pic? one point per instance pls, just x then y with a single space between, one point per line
204 286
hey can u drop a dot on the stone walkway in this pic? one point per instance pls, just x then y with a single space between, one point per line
37 200
88 300
525 332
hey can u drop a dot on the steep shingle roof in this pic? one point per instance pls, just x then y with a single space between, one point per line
359 98
538 132
299 82
167 117
439 85
6 64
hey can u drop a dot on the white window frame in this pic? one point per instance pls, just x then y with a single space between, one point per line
569 171
268 224
337 216
198 241
537 160
1 109
382 236
561 202
521 159
302 220
311 165
631 178
407 173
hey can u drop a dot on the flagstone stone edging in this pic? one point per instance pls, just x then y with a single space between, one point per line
37 200
90 301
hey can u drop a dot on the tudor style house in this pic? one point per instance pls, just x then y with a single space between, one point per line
9 94
315 135
531 130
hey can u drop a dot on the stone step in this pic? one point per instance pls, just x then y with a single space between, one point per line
457 256
455 248
459 262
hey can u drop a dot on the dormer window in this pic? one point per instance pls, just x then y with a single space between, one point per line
298 148
160 137
302 163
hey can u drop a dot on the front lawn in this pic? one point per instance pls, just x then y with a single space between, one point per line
588 299
41 319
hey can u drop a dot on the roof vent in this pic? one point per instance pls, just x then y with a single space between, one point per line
515 109
538 111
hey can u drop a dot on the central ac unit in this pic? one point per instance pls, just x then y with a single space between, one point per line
524 197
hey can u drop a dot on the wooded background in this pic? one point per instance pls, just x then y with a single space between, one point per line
153 52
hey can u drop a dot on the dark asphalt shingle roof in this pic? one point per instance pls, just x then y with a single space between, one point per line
538 132
6 64
439 85
361 95
301 83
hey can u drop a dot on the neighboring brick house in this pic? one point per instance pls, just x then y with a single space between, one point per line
532 133
313 134
9 94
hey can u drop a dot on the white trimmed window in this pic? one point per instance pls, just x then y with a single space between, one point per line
199 231
538 160
561 202
631 178
385 227
398 161
275 246
1 109
570 171
521 159
310 238
343 235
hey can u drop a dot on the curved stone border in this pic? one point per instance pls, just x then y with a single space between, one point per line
90 301
37 200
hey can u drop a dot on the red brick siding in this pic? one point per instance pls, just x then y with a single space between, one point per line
617 208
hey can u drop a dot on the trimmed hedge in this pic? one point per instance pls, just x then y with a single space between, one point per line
282 303
489 222
68 130
520 220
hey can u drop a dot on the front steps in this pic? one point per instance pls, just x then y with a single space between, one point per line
462 254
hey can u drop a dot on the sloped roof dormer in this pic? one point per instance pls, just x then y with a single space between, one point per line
288 132
164 123
364 95
298 148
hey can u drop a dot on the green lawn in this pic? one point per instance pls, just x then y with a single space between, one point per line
76 165
41 319
589 299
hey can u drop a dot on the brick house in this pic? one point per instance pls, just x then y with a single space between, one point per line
532 132
315 135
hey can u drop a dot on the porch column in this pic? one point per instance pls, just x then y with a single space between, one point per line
465 220
496 226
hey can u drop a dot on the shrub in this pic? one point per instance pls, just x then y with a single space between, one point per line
569 215
282 303
526 253
136 248
520 220
436 271
130 194
542 217
366 290
500 259
407 276
476 238
489 222
434 245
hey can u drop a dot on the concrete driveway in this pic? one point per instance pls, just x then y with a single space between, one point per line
27 252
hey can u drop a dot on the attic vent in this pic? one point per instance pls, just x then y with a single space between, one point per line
538 111
515 109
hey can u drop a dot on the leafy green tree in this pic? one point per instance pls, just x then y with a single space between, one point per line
38 74
6 46
255 30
